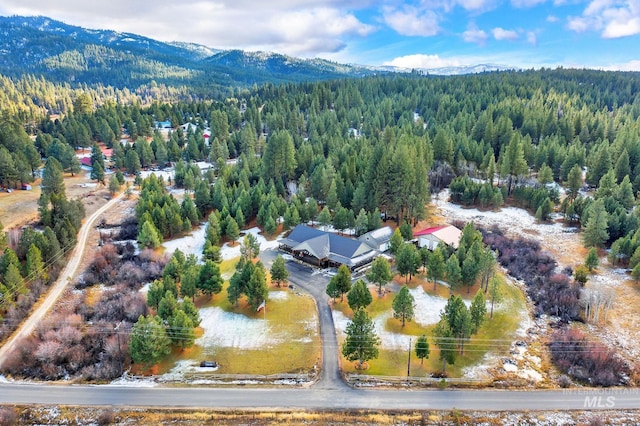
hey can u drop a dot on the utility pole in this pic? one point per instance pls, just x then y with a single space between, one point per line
119 347
409 362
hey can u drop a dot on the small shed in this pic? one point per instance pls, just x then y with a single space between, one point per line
26 187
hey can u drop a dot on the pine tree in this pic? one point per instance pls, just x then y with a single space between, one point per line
209 279
395 242
279 273
359 296
422 348
380 273
407 260
232 231
591 262
149 342
361 343
181 331
149 236
403 305
478 311
595 230
436 266
342 281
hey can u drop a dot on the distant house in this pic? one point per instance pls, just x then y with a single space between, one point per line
324 249
86 161
378 239
163 124
431 237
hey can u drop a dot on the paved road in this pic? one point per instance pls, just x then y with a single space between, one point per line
314 398
54 293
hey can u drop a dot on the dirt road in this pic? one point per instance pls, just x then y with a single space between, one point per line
54 293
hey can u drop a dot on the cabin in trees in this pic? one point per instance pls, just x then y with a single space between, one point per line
326 249
378 239
431 237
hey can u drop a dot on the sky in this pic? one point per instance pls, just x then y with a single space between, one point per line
603 34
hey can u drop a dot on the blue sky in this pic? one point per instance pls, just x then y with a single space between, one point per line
413 34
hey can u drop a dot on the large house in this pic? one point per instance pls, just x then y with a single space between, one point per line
324 249
431 237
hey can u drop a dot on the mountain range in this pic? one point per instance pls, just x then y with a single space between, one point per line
71 54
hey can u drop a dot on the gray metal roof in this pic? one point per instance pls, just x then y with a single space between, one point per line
322 244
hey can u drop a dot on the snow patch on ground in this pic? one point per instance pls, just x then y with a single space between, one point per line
278 295
517 220
189 244
133 381
231 330
428 307
228 252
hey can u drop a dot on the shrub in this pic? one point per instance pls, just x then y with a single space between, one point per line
585 360
553 293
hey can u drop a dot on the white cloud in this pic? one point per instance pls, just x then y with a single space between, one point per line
552 19
633 65
475 35
421 61
532 38
614 18
296 27
526 3
412 21
579 24
502 34
476 4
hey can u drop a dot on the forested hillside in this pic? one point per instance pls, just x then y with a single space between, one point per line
73 55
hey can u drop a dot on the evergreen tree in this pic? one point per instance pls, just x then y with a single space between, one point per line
257 289
232 231
403 305
34 268
359 296
155 293
148 342
250 247
595 230
445 340
380 273
436 266
361 343
407 260
181 331
149 236
591 262
574 182
422 348
396 241
210 280
478 311
324 218
341 281
454 274
279 273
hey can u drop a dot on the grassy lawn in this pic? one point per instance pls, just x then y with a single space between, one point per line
494 335
295 315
